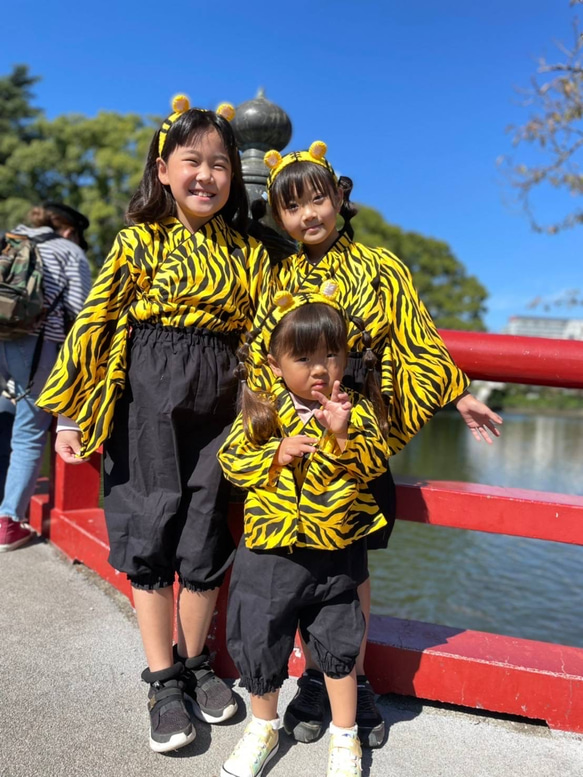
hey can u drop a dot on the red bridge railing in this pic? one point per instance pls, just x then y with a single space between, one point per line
486 671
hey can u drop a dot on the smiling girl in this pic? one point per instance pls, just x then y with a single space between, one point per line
147 370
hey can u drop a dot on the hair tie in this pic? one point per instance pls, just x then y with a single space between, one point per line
241 373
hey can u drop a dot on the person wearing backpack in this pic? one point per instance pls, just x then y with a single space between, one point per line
53 249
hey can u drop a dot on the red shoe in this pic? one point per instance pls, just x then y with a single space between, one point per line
12 534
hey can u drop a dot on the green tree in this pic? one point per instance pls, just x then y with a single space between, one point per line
553 135
93 164
454 298
17 129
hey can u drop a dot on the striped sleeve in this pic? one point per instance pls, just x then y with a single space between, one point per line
244 464
66 271
90 370
366 453
259 275
418 374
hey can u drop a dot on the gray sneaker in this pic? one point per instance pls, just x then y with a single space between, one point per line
211 698
170 723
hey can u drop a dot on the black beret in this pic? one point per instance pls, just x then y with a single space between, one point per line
72 217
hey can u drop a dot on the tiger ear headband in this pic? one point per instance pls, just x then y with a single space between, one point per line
283 303
181 104
276 163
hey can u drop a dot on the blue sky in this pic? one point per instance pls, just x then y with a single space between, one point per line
412 97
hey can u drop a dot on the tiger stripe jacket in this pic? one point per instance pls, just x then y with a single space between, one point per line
418 375
319 501
162 273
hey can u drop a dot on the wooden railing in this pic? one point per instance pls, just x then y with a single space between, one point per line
486 671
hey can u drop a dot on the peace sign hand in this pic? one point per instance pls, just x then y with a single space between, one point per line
335 412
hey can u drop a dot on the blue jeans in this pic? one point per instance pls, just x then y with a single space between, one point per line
7 410
31 424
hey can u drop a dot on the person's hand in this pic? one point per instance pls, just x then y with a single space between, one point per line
291 448
68 446
478 417
335 411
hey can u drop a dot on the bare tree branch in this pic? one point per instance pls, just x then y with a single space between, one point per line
555 130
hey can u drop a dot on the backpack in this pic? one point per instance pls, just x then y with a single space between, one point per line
21 282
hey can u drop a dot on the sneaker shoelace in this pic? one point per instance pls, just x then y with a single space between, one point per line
344 760
312 692
365 701
253 744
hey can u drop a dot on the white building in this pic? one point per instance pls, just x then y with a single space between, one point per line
541 326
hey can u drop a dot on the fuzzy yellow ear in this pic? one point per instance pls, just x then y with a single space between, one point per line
226 110
180 104
318 150
283 299
272 159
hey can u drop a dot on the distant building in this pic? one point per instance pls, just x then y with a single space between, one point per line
540 326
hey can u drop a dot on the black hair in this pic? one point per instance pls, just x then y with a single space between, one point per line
291 183
153 201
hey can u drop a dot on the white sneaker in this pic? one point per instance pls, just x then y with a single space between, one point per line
344 756
254 750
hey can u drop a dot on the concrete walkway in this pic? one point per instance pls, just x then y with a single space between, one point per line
73 704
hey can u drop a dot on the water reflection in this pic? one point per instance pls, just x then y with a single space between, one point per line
510 585
539 452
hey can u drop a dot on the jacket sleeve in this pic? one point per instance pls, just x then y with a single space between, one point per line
260 376
418 374
259 275
245 464
366 453
90 370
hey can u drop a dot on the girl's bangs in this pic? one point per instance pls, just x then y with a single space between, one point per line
194 125
302 331
298 177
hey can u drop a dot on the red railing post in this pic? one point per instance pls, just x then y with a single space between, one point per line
77 486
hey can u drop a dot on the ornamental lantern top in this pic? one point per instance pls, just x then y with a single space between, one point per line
261 124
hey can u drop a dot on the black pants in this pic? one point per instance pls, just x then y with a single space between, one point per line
165 497
273 592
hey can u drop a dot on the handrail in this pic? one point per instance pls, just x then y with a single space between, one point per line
459 666
536 361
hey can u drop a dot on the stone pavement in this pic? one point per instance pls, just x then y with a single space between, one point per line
72 704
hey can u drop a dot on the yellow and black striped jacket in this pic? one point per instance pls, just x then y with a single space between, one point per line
163 273
418 376
320 501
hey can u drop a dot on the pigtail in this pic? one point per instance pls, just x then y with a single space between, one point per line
258 209
370 386
260 420
347 210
